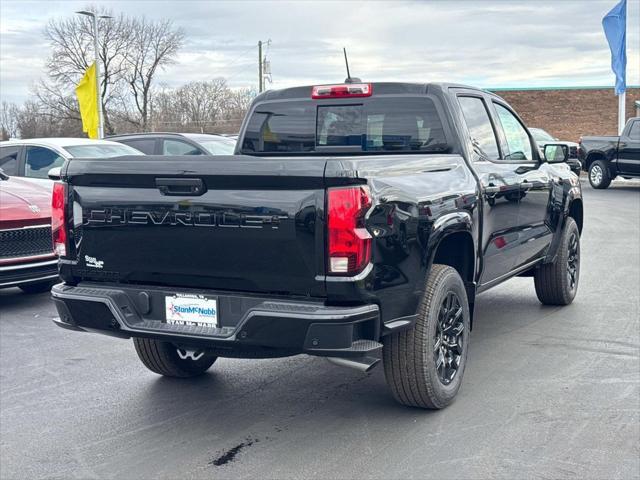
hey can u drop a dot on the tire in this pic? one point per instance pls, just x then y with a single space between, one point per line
557 283
162 358
599 176
411 356
40 287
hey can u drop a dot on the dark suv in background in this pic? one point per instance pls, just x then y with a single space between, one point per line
178 143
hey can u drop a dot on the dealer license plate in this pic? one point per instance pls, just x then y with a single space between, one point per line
184 309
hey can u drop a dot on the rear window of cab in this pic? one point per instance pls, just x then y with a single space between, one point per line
392 125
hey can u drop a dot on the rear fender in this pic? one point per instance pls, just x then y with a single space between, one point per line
607 156
572 207
455 230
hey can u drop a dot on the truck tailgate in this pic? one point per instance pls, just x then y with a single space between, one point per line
233 223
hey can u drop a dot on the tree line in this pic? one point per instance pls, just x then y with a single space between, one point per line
132 51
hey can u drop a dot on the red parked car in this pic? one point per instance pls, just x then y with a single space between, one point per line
27 259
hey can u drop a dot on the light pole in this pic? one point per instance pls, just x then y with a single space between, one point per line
260 66
94 18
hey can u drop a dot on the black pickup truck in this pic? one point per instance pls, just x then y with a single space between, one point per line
356 222
605 158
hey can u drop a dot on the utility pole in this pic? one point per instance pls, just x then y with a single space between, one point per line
94 19
260 81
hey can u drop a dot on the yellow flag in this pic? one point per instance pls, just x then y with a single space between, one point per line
88 101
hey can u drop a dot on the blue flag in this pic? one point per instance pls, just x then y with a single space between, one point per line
614 24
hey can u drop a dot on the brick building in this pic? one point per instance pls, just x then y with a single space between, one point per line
567 112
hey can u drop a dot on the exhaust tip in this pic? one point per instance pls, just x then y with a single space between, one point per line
363 364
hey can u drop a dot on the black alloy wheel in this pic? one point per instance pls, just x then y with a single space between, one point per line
424 365
573 261
557 282
448 347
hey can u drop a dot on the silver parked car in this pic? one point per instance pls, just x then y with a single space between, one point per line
35 157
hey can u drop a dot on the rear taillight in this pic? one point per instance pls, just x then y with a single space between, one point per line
349 241
342 91
58 224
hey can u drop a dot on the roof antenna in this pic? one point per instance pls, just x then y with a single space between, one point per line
349 79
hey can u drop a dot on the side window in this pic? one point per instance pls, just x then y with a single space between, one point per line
634 131
9 159
145 145
177 147
40 160
516 135
479 125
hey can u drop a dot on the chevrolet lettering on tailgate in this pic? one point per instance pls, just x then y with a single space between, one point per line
124 216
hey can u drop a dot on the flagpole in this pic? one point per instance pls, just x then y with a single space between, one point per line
95 49
614 24
94 19
621 112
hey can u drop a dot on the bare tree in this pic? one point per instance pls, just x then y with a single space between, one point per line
154 46
201 107
71 40
8 120
131 54
34 120
202 103
237 106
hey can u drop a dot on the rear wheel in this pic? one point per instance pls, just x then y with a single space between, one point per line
424 365
599 175
557 283
164 358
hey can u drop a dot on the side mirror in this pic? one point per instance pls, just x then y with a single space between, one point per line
54 173
3 176
556 153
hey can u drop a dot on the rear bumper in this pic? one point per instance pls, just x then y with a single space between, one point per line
28 272
249 326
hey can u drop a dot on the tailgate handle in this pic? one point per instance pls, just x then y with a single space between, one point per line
180 186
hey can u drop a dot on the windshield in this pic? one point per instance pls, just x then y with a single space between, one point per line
391 124
541 136
101 151
215 145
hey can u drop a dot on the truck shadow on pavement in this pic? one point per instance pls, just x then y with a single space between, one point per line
246 405
291 395
14 297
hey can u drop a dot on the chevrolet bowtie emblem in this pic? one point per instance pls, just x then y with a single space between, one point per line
34 208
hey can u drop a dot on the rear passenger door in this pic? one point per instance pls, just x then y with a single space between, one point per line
629 150
532 231
500 189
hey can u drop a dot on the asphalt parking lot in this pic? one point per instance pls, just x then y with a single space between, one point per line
549 393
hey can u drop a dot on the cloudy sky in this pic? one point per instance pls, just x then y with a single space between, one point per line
507 43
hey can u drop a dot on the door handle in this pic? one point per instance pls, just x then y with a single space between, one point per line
180 186
526 185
